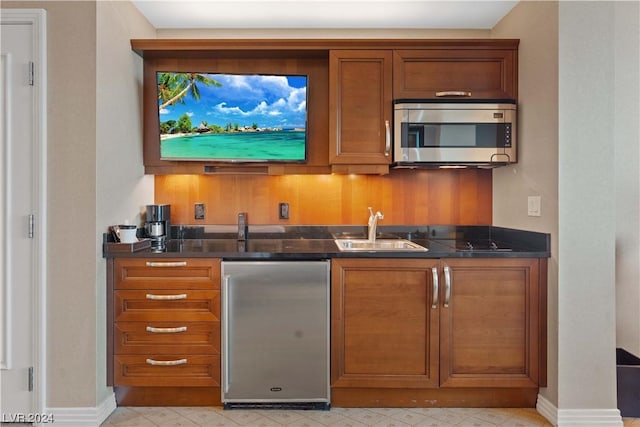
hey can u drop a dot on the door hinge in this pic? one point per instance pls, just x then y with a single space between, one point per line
32 73
31 378
32 225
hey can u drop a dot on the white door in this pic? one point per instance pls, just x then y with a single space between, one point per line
19 200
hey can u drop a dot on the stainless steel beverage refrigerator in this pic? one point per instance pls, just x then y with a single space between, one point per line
275 334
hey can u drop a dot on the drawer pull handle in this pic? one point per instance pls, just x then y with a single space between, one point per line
166 330
453 93
167 264
166 297
167 362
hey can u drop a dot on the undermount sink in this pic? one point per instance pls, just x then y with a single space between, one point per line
364 245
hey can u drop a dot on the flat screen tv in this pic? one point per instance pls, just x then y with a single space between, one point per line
232 117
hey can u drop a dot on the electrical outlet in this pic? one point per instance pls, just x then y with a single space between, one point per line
283 210
533 206
199 211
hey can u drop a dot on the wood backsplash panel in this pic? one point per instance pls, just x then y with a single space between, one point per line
409 197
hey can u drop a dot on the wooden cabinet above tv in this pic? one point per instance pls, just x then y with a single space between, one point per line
311 58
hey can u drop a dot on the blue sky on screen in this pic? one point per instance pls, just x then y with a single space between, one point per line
267 100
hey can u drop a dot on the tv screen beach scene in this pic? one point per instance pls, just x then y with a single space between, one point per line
232 117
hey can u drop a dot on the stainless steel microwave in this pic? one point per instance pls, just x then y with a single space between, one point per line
454 133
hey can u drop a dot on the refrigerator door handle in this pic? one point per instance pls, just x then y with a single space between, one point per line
226 380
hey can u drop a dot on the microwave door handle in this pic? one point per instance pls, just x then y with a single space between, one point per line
387 146
453 93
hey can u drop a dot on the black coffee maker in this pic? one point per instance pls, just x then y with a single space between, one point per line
158 225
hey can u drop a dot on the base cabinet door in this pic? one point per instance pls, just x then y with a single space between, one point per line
384 328
490 323
457 332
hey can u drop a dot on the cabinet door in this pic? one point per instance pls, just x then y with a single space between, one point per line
490 328
360 99
478 73
384 328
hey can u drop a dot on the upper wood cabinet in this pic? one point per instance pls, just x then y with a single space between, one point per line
351 88
360 106
451 73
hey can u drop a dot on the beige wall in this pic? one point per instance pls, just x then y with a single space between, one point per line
627 176
592 125
536 173
581 67
586 278
122 189
71 163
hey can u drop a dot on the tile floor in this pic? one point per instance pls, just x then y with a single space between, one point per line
343 417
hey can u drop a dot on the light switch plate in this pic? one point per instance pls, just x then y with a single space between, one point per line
533 206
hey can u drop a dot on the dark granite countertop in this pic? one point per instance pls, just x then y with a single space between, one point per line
317 242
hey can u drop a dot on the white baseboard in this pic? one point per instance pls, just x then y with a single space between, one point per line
84 417
547 410
578 417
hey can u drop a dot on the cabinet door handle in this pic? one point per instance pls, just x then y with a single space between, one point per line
226 373
453 93
166 297
167 362
434 271
167 264
447 286
387 143
166 330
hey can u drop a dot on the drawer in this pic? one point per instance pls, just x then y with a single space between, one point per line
172 273
167 370
173 305
167 338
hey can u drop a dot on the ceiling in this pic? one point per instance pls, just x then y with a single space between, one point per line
383 14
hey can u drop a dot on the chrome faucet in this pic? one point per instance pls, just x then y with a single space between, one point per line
373 223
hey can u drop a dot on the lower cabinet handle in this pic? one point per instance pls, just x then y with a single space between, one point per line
166 264
434 271
447 286
226 330
166 297
167 362
166 330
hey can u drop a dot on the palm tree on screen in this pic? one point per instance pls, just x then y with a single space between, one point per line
172 87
